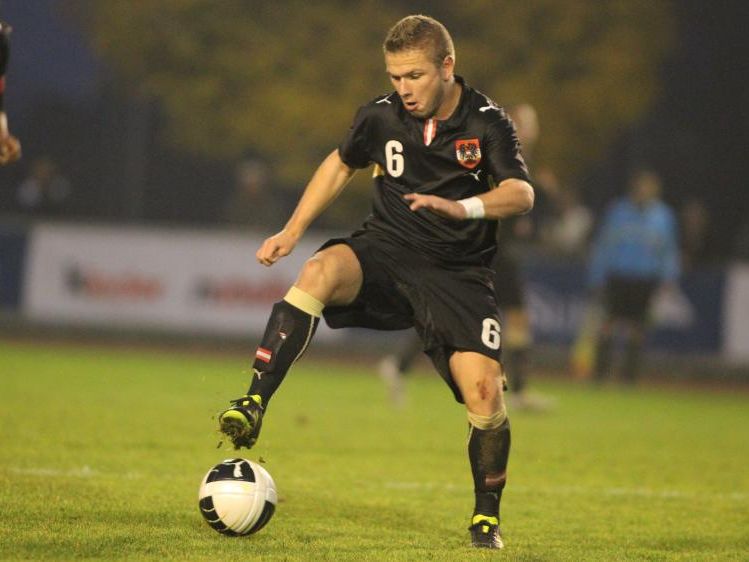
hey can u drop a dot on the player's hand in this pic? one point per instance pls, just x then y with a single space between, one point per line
438 205
276 247
10 150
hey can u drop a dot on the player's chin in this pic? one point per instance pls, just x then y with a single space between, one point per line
422 114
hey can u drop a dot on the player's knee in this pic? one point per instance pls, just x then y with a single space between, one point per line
484 394
313 269
317 275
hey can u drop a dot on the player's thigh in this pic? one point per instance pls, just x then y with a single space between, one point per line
333 275
479 378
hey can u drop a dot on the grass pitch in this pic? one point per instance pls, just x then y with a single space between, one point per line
103 451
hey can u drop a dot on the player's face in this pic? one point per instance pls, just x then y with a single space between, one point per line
421 84
645 188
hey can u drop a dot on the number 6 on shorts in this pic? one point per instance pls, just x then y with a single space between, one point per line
490 333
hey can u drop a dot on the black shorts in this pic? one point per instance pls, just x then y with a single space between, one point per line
452 309
508 283
629 299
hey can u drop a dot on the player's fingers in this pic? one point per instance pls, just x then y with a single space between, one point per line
413 197
267 261
273 253
265 254
270 260
421 202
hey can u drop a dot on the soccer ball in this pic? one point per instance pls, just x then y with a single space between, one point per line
237 497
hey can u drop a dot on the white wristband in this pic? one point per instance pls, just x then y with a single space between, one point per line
474 207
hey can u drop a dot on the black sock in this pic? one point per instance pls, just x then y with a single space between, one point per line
287 335
488 451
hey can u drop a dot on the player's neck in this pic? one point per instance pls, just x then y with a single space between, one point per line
451 101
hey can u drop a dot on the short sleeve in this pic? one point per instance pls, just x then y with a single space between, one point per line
502 150
354 146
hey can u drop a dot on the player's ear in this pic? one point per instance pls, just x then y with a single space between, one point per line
447 68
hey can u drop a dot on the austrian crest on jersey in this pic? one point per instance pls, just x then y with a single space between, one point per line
468 153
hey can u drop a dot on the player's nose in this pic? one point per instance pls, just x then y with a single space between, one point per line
403 90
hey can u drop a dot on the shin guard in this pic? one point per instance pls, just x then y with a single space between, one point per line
488 452
287 336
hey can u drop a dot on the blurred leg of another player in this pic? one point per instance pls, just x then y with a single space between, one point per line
516 343
626 302
516 334
393 368
583 354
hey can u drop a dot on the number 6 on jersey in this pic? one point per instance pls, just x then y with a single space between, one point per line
394 158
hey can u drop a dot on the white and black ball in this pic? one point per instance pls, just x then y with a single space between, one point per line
237 497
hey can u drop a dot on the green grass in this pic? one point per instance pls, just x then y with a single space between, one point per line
102 451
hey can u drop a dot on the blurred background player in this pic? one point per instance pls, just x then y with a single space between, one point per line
634 254
509 293
254 201
45 192
565 232
10 148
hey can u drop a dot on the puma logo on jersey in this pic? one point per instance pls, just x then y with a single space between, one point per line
475 175
491 105
385 99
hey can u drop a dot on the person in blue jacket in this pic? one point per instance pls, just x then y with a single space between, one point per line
635 253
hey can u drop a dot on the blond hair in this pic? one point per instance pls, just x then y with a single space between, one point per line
423 33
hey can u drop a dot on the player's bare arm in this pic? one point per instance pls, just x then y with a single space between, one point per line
511 197
326 184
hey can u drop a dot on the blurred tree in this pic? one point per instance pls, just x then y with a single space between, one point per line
284 78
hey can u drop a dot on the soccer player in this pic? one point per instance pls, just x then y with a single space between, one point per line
635 253
10 148
447 166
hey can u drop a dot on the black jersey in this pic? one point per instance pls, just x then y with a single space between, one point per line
462 156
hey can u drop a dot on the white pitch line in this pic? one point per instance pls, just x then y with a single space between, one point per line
82 472
579 491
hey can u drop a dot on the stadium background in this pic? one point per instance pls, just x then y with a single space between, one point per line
149 113
148 116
